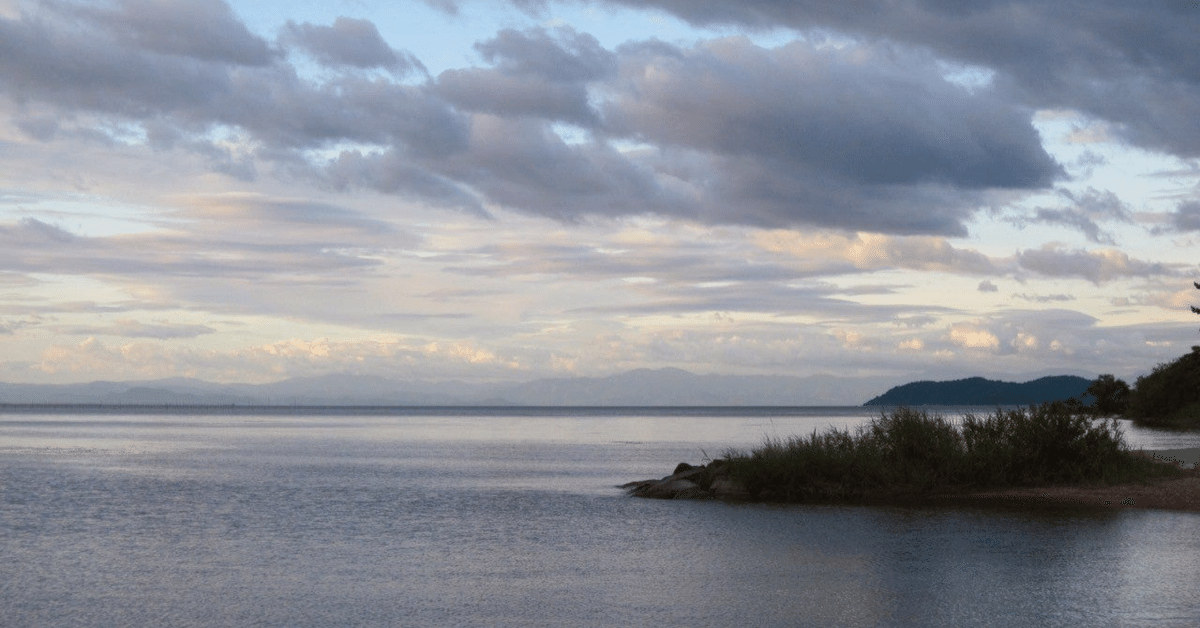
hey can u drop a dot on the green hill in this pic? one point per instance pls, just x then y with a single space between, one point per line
977 391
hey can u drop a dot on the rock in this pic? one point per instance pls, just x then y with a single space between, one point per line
667 489
728 488
691 482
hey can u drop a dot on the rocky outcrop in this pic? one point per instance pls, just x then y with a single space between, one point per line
710 481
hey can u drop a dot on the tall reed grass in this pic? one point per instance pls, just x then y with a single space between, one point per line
910 451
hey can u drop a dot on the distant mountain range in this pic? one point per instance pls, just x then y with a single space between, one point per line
641 387
977 391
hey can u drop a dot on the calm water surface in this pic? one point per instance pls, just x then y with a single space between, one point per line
506 519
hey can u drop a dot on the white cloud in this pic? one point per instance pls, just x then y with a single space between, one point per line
972 337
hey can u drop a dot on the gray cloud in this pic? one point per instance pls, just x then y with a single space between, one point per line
754 297
263 215
569 57
42 128
679 263
200 29
523 164
869 136
864 113
1044 298
230 236
1187 216
391 172
498 93
129 328
827 138
89 67
535 74
1131 63
349 42
1083 212
1074 220
1095 266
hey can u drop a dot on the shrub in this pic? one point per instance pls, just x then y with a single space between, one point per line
1043 444
912 451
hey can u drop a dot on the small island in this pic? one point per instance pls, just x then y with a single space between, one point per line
1052 453
978 391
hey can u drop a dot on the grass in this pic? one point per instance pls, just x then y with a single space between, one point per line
909 451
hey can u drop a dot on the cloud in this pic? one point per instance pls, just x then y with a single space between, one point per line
778 300
570 56
535 74
1074 220
402 358
1082 213
90 67
867 137
34 231
200 29
227 236
1044 298
971 337
866 113
349 42
129 328
1187 216
276 217
1053 260
1021 335
1128 63
871 252
524 165
987 286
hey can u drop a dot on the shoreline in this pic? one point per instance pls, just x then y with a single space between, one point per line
1180 493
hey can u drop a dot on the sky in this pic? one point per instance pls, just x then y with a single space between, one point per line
509 190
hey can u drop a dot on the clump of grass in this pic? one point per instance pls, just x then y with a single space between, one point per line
911 451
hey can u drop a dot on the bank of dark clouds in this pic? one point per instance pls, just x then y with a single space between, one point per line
863 138
867 135
1130 63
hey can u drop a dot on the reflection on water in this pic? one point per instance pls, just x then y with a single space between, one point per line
494 520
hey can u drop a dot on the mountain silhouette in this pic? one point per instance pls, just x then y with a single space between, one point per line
977 391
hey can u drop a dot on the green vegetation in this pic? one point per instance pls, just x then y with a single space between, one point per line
1170 395
1110 396
912 452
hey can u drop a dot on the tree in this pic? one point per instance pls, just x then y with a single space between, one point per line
1111 395
1169 396
1196 310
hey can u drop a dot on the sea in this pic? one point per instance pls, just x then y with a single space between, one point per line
497 517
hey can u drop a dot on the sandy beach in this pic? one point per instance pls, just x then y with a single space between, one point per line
1180 493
